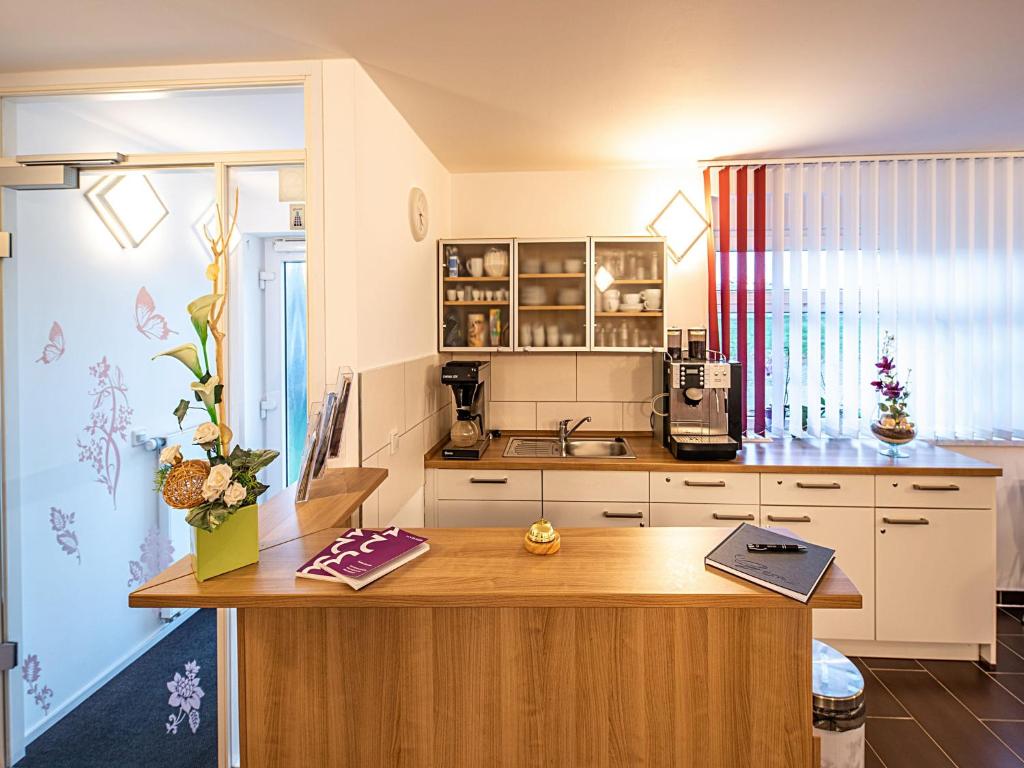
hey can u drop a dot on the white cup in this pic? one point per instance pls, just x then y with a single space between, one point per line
489 295
478 295
567 339
611 303
538 335
552 335
526 335
612 293
651 298
460 295
476 266
452 294
631 298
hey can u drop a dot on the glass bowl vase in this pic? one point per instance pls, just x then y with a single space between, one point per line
893 438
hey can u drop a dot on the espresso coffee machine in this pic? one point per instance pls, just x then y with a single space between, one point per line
700 391
469 435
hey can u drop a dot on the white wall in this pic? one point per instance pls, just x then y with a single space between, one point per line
379 284
578 203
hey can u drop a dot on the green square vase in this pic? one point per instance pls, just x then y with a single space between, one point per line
234 544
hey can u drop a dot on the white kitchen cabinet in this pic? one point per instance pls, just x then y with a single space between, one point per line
596 514
489 484
850 532
718 515
930 492
705 487
935 575
583 485
456 513
818 490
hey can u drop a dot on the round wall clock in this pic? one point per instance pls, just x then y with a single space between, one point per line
419 216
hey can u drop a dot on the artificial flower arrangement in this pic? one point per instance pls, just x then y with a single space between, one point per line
212 490
893 426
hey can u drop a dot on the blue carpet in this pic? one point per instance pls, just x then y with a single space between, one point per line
129 722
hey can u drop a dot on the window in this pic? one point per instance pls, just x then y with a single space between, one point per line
925 248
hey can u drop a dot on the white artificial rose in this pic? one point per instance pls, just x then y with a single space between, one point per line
171 455
216 482
206 434
234 495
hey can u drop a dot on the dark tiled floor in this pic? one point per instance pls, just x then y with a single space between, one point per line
948 714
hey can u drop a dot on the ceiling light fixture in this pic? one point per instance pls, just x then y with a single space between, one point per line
128 206
681 224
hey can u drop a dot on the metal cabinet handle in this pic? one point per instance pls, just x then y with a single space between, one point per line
905 521
705 483
489 480
819 486
921 487
719 516
784 519
627 515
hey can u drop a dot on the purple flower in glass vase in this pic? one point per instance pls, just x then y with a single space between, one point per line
886 364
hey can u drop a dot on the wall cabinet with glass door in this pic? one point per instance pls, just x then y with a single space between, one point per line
475 295
627 294
552 307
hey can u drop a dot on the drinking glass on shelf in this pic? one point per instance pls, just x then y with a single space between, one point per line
631 264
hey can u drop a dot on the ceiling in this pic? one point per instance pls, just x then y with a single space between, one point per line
568 84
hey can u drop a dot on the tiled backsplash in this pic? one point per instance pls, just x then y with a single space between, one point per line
536 390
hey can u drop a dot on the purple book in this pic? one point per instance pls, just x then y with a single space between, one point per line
360 557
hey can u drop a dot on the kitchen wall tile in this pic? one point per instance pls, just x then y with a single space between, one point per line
606 416
382 405
405 474
613 377
537 377
513 415
436 427
424 393
636 417
372 504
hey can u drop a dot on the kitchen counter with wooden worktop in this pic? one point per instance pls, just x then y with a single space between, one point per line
779 456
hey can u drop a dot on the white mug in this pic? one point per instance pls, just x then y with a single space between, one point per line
611 303
552 335
612 293
631 298
651 298
538 335
476 266
452 294
526 336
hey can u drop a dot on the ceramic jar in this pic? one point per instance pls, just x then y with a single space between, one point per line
496 262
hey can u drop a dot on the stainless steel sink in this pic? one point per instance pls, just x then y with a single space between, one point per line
575 448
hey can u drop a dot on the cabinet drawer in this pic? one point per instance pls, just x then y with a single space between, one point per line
518 485
704 487
929 492
935 571
596 514
487 514
818 490
595 486
724 515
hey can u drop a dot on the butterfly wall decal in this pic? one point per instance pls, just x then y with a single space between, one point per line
54 349
148 321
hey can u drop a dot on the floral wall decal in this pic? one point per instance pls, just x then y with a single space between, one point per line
54 349
148 321
156 554
31 670
60 523
186 695
109 421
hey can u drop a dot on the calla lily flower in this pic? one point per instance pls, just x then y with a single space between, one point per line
200 310
207 390
188 355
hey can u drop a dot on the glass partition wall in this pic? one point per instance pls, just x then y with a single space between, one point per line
99 284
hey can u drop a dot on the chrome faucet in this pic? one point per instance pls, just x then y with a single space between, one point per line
564 431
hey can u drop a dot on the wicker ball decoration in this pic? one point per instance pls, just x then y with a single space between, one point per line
183 486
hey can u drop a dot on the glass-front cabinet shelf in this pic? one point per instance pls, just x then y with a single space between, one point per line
603 294
627 294
475 295
552 300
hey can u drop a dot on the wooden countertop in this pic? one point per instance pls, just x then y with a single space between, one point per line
333 500
488 567
785 456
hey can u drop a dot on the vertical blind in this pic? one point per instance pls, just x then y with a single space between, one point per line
813 262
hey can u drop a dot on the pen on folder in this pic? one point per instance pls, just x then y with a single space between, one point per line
776 548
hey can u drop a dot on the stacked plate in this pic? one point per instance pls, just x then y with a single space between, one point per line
533 295
631 307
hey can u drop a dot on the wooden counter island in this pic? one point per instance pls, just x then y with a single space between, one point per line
621 650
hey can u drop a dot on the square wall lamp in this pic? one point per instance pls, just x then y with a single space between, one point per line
129 207
681 224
